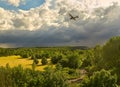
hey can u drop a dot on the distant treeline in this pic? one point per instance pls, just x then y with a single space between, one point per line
38 51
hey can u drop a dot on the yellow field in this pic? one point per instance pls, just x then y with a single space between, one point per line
17 60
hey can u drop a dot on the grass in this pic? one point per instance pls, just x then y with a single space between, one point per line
17 60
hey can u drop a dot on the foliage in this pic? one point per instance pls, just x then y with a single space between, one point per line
25 55
55 78
19 77
44 61
55 59
101 78
88 58
111 55
74 61
5 77
107 56
96 61
73 58
64 62
35 60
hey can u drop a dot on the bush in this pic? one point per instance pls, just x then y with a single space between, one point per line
44 61
35 61
101 78
54 78
56 59
20 77
64 62
74 61
24 55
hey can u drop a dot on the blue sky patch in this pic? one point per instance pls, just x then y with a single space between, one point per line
29 4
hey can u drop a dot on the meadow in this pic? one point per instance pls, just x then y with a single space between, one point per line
24 62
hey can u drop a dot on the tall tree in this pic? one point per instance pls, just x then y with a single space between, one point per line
111 55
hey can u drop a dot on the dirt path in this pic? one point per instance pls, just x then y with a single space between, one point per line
79 79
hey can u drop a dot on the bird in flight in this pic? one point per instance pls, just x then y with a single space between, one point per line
72 17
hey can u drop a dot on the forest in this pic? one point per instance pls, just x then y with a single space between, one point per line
69 66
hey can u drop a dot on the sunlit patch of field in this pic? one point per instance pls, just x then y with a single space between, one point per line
24 62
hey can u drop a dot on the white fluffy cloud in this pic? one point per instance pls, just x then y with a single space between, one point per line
6 19
15 3
54 13
51 24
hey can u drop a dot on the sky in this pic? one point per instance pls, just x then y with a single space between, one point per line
26 23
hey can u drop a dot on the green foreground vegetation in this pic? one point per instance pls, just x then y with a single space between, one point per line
62 66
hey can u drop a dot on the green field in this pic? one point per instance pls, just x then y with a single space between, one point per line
17 60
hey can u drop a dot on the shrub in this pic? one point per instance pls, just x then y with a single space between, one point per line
56 59
35 61
101 78
44 61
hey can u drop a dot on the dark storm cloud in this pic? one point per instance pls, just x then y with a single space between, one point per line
102 24
40 38
92 33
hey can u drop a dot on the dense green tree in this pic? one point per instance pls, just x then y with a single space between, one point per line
54 78
35 60
74 61
64 62
44 61
24 55
101 78
111 55
5 77
55 59
33 57
19 77
88 58
58 66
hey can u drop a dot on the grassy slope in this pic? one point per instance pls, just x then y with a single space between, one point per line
17 60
